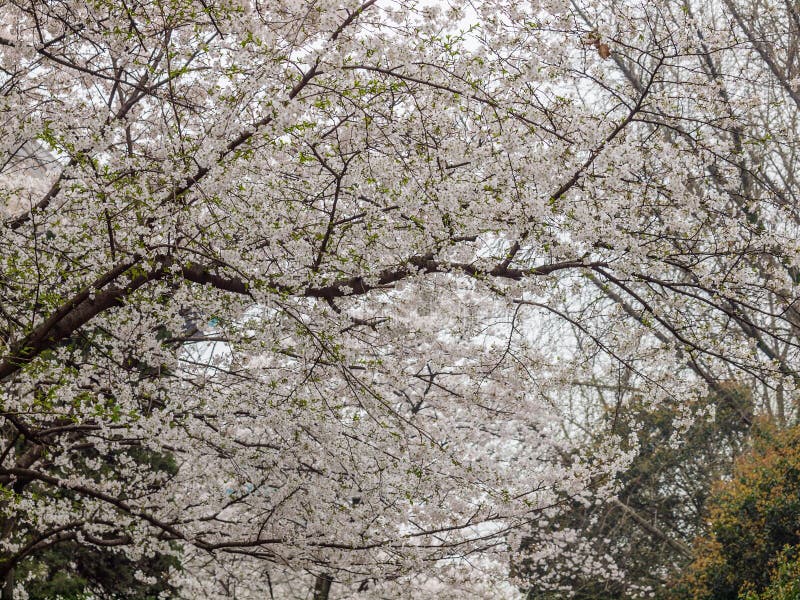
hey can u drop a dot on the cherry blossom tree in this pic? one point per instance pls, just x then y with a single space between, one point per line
356 274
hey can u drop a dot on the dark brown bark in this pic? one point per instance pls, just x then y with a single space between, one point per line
322 587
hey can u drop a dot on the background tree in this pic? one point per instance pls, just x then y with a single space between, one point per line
640 538
751 549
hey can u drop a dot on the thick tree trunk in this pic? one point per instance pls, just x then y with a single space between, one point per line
322 587
7 592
